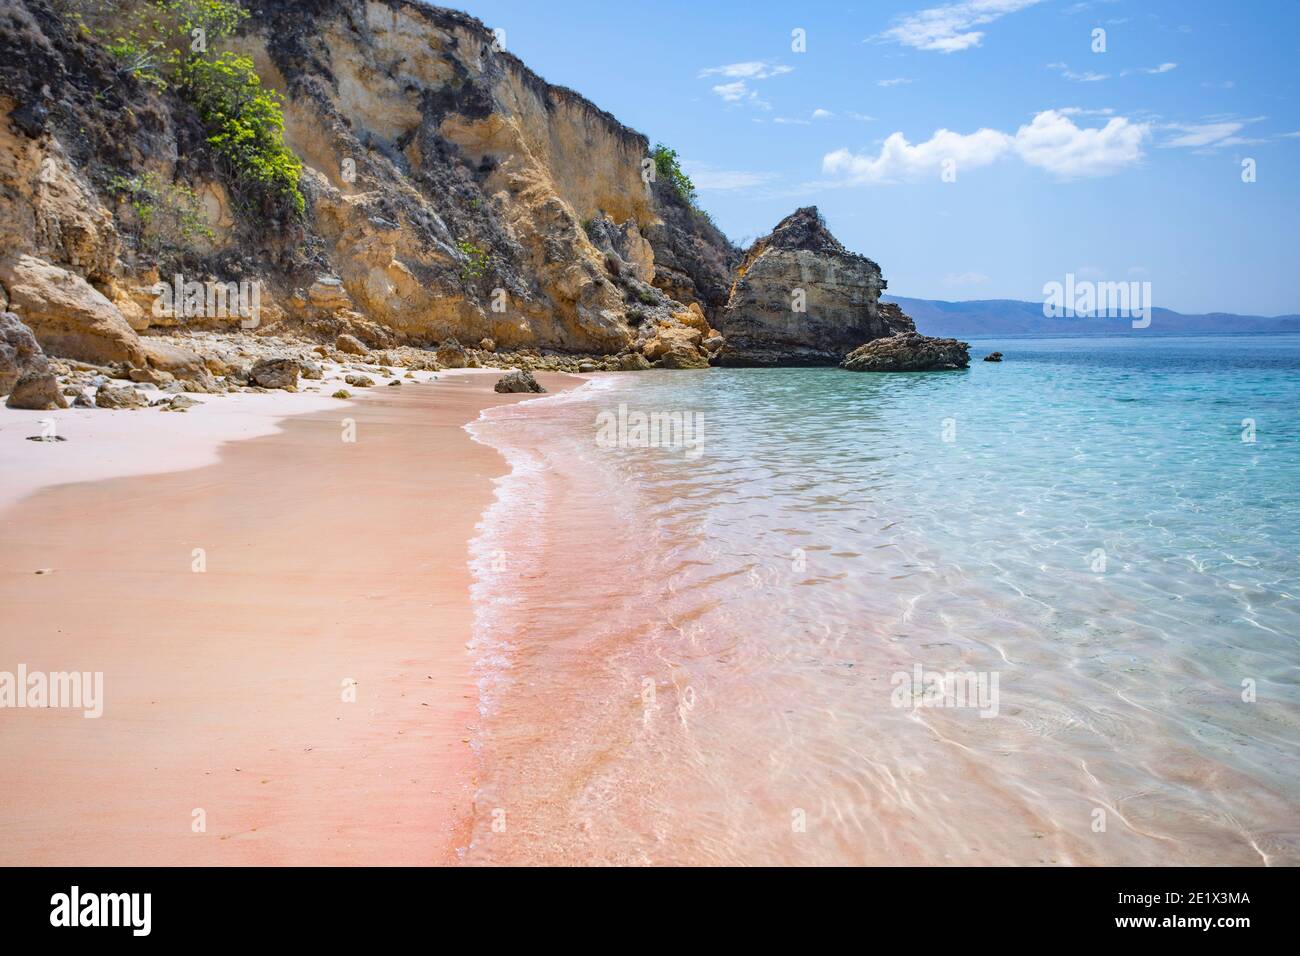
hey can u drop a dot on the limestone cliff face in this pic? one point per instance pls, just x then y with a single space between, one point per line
801 298
451 192
424 143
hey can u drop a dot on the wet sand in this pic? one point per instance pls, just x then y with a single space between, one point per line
331 570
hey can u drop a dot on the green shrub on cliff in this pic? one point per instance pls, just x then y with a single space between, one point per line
246 127
164 217
139 58
152 39
171 44
476 260
668 168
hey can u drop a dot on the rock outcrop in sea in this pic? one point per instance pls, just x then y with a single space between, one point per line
801 298
908 352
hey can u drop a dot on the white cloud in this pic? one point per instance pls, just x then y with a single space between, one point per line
1054 143
948 28
901 160
818 114
1203 134
750 70
732 92
1210 135
1081 111
1051 141
897 81
709 177
741 74
1152 70
738 92
1087 76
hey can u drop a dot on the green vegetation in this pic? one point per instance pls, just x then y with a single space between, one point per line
476 260
170 44
668 168
165 217
246 127
139 59
154 39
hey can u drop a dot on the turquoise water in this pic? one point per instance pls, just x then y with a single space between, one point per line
1081 527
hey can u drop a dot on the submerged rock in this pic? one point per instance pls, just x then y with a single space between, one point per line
908 352
520 380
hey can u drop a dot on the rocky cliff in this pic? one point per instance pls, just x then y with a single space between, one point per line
801 298
446 194
449 191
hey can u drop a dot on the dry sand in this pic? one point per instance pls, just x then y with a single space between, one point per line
332 568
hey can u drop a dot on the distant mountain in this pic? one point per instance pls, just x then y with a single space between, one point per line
990 317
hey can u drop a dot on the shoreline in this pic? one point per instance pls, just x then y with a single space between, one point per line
329 569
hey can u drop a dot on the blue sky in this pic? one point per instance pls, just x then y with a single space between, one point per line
1120 165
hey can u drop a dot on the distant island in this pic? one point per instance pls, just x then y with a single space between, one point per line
995 317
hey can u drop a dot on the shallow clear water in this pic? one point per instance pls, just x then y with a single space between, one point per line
708 654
